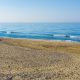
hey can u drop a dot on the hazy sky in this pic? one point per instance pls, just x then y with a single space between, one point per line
39 10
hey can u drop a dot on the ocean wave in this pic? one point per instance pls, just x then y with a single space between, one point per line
9 32
61 35
2 31
66 37
75 38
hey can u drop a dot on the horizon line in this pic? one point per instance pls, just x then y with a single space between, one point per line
39 22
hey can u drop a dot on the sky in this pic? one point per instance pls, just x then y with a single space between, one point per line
39 10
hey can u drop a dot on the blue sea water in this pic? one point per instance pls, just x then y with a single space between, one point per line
46 31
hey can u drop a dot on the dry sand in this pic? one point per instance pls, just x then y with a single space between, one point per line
18 62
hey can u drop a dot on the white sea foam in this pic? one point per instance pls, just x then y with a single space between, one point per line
8 32
61 35
75 37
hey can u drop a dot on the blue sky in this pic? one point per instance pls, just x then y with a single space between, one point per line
39 10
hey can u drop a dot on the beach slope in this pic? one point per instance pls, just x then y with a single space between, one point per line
39 60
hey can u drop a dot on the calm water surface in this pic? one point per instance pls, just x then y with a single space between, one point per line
47 31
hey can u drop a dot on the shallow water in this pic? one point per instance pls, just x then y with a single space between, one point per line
47 31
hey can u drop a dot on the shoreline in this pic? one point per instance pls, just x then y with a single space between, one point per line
47 40
37 44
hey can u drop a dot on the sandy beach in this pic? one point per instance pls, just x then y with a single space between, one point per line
39 60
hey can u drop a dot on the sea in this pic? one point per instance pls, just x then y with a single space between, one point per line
43 31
